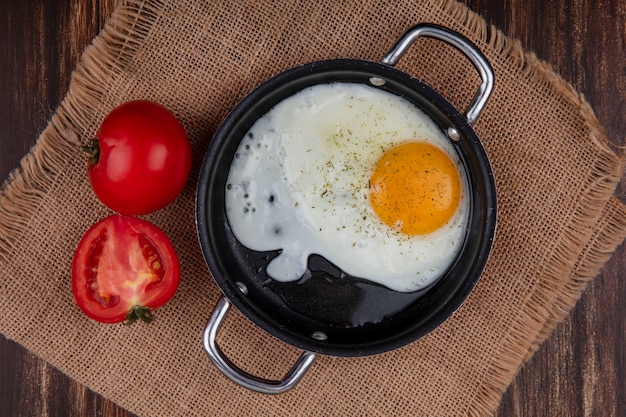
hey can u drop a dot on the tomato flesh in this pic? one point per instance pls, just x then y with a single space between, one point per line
123 263
141 159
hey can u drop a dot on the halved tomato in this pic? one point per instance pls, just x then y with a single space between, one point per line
123 269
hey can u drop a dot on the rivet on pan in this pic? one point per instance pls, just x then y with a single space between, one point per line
242 287
454 134
319 336
377 81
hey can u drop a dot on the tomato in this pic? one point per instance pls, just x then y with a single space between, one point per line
141 158
123 269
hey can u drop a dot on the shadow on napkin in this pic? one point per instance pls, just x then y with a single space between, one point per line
555 174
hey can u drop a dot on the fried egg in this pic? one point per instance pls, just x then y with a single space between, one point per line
355 174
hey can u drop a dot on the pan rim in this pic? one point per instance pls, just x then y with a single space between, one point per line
241 301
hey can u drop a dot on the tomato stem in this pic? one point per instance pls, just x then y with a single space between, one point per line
93 150
142 313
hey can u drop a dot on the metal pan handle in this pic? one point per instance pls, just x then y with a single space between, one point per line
240 376
461 43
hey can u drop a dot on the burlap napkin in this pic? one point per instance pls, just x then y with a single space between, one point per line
555 173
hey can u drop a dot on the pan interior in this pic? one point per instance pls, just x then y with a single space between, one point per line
327 311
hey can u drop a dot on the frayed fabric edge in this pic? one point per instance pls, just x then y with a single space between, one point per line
24 191
596 234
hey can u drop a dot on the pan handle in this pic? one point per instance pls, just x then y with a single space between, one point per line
461 43
237 374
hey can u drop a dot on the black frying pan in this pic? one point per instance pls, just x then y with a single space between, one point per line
330 313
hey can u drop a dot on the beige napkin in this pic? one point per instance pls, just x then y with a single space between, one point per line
555 174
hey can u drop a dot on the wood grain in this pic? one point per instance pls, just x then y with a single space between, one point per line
579 371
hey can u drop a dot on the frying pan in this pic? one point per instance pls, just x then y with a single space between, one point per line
330 313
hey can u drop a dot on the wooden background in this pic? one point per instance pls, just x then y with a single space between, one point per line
579 371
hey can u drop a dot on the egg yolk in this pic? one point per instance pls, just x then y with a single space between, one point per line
415 188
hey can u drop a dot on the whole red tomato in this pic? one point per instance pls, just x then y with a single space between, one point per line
141 159
123 269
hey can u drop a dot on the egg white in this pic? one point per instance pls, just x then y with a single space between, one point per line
299 183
